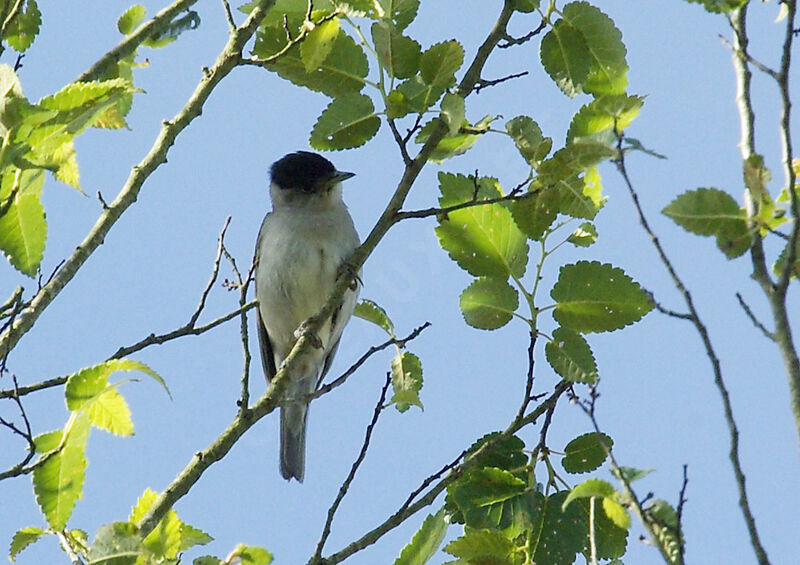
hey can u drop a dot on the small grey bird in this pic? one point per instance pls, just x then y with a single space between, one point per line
301 248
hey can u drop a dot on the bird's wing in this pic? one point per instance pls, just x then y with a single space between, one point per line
339 320
267 356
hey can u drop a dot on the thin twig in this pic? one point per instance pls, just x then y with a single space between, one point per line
679 512
326 530
769 335
750 59
361 360
229 15
510 41
512 196
733 430
486 83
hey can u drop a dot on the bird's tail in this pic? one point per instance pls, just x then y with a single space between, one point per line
293 440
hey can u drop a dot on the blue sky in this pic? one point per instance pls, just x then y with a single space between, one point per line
658 400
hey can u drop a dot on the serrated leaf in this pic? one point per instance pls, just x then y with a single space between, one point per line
704 211
558 534
482 546
342 72
720 6
398 54
452 113
526 6
574 159
591 488
191 536
23 229
780 263
164 541
534 215
130 20
348 121
23 29
489 303
664 522
83 387
584 235
484 487
66 160
109 411
483 240
413 95
401 12
22 539
318 44
610 539
571 357
58 482
48 441
440 62
406 380
586 452
583 52
117 543
603 118
578 197
528 138
142 506
251 555
630 474
372 312
503 453
597 297
426 541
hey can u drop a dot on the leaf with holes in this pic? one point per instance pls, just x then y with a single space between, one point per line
482 239
597 297
489 303
586 452
571 357
406 381
349 121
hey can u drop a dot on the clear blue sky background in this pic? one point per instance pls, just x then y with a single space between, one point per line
658 399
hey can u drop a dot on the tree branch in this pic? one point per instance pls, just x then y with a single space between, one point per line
225 63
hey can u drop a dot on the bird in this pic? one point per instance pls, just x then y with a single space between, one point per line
302 249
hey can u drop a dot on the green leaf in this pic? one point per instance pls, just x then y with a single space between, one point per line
24 28
710 211
597 297
440 62
398 54
348 121
457 144
117 543
558 534
86 385
23 228
406 380
482 546
720 6
58 482
143 505
583 52
591 488
426 541
251 555
617 513
342 72
372 312
586 452
664 522
603 118
571 357
489 303
584 235
207 560
610 539
401 12
482 239
130 20
452 113
780 263
526 6
164 541
318 44
578 197
534 215
490 498
413 95
632 144
22 539
630 474
48 441
191 536
528 138
504 453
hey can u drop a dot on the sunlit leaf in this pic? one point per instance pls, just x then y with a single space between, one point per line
23 29
426 541
597 297
571 357
348 121
318 44
489 303
117 543
584 235
591 488
23 229
372 312
22 539
130 20
406 380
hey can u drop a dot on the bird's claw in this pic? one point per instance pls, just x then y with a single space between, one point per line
305 332
347 270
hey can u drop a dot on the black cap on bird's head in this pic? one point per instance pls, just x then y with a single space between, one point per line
305 171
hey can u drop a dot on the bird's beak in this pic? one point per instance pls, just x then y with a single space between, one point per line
339 176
